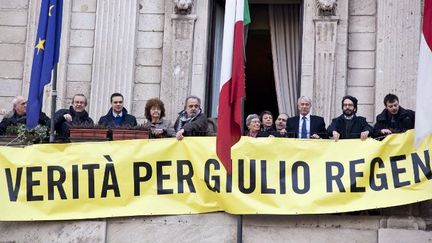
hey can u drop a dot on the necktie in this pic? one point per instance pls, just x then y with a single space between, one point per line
117 120
303 128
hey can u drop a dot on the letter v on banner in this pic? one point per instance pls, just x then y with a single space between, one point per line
232 85
423 124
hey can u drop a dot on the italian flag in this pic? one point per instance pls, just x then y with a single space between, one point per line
232 85
423 121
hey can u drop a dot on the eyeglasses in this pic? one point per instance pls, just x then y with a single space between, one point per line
348 105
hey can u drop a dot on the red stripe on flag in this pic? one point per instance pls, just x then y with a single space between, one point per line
427 22
230 103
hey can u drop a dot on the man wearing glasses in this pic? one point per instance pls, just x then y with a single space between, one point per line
18 115
348 125
117 115
191 121
75 115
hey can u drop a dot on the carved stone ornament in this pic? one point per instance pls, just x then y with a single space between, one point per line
326 7
183 6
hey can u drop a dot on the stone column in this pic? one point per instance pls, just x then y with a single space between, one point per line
114 54
177 58
324 72
324 57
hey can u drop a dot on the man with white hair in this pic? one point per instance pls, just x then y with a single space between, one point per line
306 125
18 115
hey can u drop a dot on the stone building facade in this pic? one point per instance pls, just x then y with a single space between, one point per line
159 48
147 49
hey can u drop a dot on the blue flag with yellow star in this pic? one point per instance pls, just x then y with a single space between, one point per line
46 55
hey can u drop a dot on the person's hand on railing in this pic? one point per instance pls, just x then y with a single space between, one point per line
336 136
364 135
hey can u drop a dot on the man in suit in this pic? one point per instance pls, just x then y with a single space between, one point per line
281 125
117 115
349 125
306 125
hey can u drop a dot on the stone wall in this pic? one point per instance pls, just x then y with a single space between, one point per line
221 227
13 37
149 54
361 55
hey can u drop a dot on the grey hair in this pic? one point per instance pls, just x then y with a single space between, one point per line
304 98
192 97
80 95
16 99
249 119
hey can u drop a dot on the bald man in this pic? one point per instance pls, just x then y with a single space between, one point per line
18 115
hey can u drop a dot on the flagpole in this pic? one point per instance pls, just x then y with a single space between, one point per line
240 229
53 102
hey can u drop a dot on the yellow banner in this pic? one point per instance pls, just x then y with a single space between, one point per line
166 176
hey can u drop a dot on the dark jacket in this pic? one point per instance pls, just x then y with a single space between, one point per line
268 132
108 119
359 125
404 120
196 126
62 126
14 119
317 126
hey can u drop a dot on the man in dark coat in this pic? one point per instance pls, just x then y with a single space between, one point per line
191 121
348 125
281 125
394 118
306 125
18 115
75 115
117 114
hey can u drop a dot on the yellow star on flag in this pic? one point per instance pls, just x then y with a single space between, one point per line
40 45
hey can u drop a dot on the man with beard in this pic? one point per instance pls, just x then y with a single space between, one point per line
18 115
191 121
75 115
394 118
348 125
117 115
306 125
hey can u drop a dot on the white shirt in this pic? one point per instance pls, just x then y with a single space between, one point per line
115 114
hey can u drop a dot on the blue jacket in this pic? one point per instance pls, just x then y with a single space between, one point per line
108 119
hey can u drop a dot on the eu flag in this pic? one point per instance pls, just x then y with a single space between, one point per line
46 55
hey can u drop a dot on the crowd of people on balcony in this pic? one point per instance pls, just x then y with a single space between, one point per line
191 121
393 119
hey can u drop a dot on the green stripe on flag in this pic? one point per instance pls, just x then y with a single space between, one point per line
246 16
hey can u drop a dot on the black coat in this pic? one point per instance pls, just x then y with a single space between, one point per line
62 126
15 119
268 132
197 126
404 120
359 125
317 126
108 119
